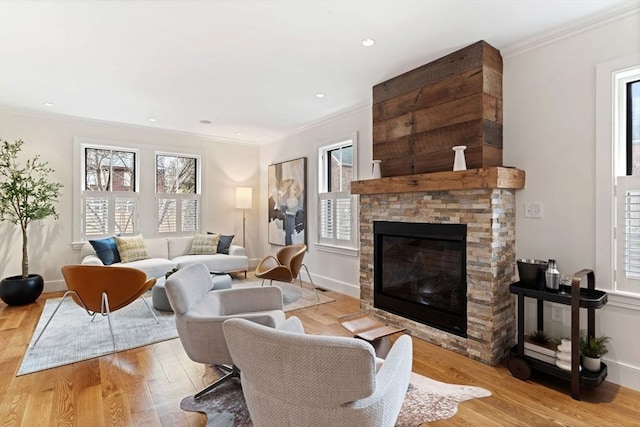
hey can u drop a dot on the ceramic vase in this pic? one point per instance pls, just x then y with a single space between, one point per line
376 171
459 162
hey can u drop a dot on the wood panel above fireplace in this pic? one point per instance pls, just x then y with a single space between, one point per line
455 100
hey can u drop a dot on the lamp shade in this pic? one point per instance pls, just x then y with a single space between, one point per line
243 197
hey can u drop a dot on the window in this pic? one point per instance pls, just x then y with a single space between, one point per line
618 180
109 199
178 195
337 207
627 192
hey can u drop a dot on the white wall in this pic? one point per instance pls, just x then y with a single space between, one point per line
330 270
549 131
227 166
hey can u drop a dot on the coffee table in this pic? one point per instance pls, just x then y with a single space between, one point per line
365 327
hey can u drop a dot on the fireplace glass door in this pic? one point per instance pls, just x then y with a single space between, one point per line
420 272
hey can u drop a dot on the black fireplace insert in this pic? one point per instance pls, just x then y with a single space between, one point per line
420 272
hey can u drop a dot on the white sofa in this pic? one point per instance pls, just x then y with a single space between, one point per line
165 254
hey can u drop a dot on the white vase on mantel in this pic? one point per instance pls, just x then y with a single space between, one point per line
376 171
459 163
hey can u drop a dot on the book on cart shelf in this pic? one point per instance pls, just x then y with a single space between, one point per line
540 356
544 352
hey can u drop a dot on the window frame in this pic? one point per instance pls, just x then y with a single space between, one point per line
111 195
610 163
333 244
178 197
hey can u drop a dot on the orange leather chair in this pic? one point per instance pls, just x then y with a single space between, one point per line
285 266
101 289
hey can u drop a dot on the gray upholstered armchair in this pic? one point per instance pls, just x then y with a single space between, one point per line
316 380
201 311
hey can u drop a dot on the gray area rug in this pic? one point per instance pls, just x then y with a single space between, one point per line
72 337
427 400
293 295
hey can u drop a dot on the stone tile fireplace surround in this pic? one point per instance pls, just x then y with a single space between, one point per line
484 199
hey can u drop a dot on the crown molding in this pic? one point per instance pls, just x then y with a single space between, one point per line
76 119
319 122
625 10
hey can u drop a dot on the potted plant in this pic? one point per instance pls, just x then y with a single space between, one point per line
26 195
592 349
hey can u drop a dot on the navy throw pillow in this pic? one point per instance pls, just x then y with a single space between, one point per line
223 243
107 250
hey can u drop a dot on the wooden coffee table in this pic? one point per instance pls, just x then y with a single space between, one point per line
365 327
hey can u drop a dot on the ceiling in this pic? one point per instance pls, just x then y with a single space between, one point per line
251 68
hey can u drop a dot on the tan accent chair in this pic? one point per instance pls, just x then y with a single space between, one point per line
317 380
285 266
200 312
101 289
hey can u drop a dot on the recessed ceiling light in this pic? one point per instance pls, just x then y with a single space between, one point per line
368 42
152 120
319 95
48 104
205 122
238 133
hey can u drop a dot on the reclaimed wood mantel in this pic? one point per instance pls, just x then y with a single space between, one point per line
491 177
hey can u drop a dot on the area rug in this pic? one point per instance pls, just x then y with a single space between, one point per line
72 337
294 296
427 400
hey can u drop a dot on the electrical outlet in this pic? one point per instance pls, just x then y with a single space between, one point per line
533 210
556 314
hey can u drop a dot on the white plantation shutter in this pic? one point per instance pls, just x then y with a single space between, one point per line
125 214
326 217
109 212
336 219
190 215
96 215
628 234
167 217
178 213
343 217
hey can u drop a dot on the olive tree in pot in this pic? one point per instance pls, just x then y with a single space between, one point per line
26 195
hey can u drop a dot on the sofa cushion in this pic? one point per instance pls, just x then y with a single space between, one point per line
106 249
224 243
131 248
204 244
179 246
217 262
153 267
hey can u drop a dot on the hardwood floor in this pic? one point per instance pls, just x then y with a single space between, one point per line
144 386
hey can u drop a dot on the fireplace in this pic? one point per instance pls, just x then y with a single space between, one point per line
420 273
483 201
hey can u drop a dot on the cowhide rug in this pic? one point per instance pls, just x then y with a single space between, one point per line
426 400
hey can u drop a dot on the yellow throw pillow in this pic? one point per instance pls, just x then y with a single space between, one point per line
131 248
204 244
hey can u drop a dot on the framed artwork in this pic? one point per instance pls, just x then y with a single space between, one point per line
287 183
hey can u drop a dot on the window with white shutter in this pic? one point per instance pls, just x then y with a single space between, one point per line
627 191
178 194
618 180
109 196
337 208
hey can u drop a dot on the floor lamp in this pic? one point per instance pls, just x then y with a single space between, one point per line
243 201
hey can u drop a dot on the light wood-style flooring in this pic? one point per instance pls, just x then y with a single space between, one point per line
144 386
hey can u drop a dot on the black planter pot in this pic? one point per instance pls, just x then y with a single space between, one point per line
18 291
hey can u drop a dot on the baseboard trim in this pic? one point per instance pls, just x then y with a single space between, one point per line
54 286
623 374
335 285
